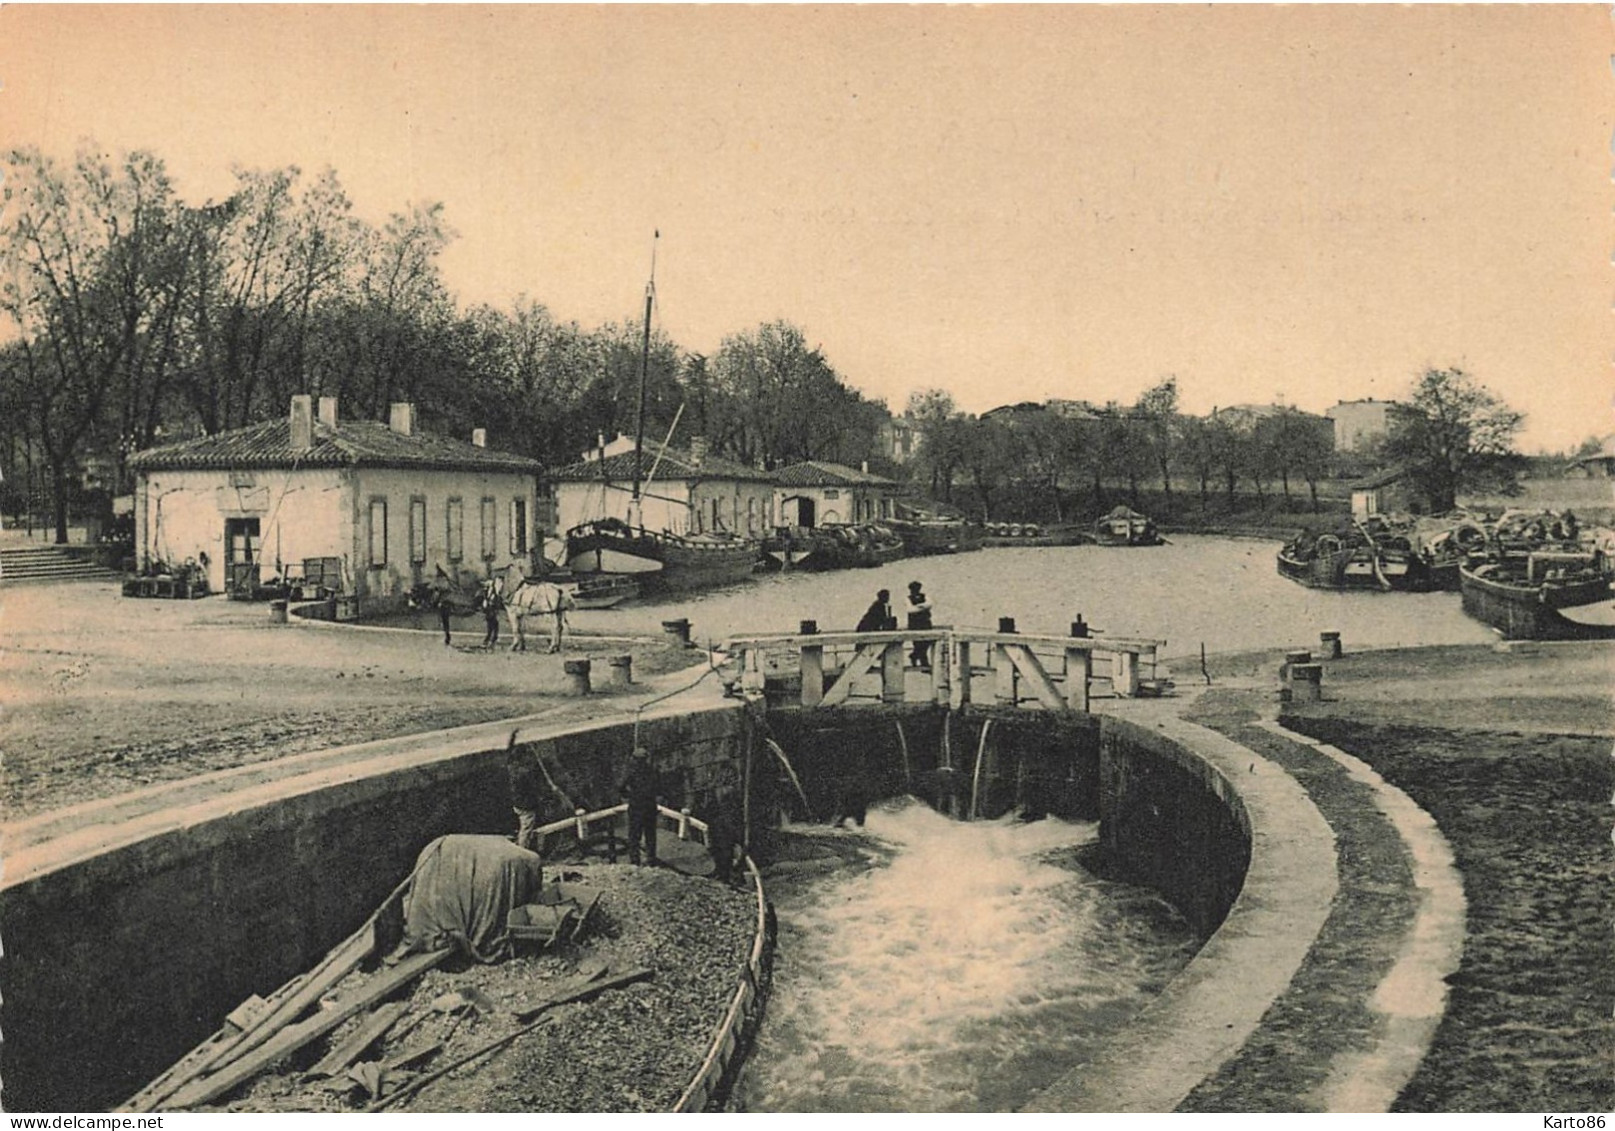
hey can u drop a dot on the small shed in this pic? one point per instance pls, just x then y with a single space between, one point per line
1388 491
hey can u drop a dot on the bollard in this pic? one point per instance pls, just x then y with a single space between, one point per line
622 671
677 632
1306 683
577 676
277 612
1299 656
808 628
1331 645
1006 624
1079 627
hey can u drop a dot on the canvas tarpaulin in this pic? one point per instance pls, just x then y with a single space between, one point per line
462 893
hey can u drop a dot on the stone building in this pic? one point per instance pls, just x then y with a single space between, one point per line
680 491
373 507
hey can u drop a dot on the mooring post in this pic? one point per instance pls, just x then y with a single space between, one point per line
892 673
1306 683
1298 656
1078 671
812 669
622 671
1005 687
1331 645
577 676
1125 666
677 632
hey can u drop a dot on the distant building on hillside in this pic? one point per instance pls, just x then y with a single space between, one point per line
1360 423
1245 416
1071 410
899 439
1597 465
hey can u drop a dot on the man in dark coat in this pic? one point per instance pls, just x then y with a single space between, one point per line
526 794
878 617
640 787
919 617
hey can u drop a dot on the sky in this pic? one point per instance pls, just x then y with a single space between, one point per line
1299 204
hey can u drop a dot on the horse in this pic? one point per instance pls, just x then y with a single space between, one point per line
531 596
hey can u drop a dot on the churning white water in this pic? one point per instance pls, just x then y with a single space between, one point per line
950 966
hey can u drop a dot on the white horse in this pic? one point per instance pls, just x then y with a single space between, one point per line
525 597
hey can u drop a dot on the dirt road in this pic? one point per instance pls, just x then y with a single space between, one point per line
104 694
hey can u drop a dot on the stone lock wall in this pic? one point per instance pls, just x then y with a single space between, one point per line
1170 821
117 965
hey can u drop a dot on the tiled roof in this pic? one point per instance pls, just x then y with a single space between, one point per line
822 473
356 443
674 464
1383 478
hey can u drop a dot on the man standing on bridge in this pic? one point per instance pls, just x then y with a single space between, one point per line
919 617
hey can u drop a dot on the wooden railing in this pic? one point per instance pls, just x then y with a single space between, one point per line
1054 672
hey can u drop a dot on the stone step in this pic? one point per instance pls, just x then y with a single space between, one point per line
49 563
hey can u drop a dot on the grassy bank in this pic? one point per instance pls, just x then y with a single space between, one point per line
1528 1025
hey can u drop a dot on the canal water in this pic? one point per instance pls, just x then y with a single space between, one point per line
1225 593
950 967
926 965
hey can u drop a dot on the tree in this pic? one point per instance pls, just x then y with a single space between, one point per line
1157 411
935 414
1456 436
87 285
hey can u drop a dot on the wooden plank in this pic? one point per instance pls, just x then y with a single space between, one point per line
358 1041
893 680
1078 671
860 665
285 1005
586 989
291 1039
1026 661
812 675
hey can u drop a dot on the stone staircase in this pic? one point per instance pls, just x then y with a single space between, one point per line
35 564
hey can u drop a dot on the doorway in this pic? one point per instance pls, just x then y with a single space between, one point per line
241 551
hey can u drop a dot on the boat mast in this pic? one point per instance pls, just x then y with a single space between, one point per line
634 516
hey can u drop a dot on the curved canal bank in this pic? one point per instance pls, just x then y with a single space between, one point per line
1404 692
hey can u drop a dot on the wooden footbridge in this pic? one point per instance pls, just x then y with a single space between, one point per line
1057 673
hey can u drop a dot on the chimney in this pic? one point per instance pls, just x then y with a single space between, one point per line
698 450
302 420
401 418
479 437
328 412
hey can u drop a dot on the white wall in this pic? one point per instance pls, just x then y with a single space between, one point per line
399 488
321 512
180 516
